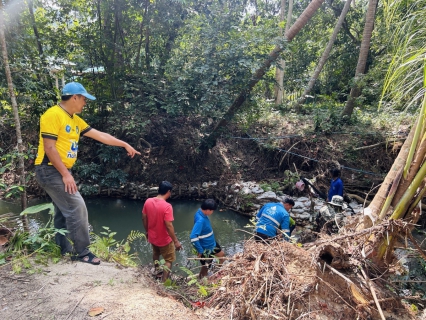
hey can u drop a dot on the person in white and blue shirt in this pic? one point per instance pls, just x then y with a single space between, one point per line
202 237
271 218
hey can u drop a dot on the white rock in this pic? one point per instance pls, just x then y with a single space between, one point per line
353 204
205 185
298 204
245 190
304 216
302 199
257 190
268 194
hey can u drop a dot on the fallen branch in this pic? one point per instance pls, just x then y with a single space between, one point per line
373 292
377 144
75 307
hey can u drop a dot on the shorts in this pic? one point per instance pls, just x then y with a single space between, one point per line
210 254
168 252
260 237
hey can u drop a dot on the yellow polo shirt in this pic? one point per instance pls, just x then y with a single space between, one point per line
57 124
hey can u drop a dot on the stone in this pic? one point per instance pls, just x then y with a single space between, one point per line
205 185
353 204
298 204
304 216
302 199
245 190
267 195
257 190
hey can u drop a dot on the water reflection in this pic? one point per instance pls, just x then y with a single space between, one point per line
124 215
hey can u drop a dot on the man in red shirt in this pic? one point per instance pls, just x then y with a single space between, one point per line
157 216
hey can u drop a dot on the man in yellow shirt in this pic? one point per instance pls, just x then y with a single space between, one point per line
60 131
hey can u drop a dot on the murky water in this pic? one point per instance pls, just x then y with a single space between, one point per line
123 216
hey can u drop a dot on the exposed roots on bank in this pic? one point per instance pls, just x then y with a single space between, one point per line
329 279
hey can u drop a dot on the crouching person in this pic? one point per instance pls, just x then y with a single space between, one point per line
273 217
202 237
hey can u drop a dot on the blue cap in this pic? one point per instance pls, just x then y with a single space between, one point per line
76 88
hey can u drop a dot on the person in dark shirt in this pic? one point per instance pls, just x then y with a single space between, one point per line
336 185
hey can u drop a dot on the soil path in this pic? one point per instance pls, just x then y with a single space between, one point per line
69 290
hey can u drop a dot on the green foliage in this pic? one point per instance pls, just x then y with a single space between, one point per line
272 186
327 120
39 243
108 248
94 175
192 280
290 179
9 164
246 201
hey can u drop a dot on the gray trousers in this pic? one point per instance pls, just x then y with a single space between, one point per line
70 212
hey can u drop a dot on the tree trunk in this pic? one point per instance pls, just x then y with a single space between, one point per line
21 167
371 213
36 34
324 56
306 15
362 58
279 70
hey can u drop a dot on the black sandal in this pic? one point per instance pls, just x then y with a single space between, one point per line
88 258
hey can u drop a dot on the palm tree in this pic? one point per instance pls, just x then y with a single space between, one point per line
405 184
324 56
279 72
362 58
306 15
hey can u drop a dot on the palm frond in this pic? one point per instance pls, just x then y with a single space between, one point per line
135 235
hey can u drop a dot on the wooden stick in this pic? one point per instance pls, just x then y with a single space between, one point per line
289 297
337 294
75 307
28 310
338 273
373 292
378 144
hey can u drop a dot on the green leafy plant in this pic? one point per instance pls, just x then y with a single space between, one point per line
108 248
39 243
272 186
192 279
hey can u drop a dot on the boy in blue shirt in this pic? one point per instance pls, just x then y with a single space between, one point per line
202 237
273 217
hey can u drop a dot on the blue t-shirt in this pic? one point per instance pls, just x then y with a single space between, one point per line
271 217
202 237
336 188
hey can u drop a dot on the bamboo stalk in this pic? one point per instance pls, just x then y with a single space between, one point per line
417 199
413 146
409 194
391 194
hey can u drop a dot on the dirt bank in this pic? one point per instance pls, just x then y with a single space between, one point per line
69 290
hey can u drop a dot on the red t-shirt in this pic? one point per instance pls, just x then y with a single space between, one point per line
157 211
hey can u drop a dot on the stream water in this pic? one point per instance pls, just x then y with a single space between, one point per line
124 215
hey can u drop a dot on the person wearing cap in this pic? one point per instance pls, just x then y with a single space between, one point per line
271 218
60 131
336 185
330 215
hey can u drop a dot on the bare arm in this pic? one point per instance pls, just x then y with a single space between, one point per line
111 141
171 232
145 223
54 157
